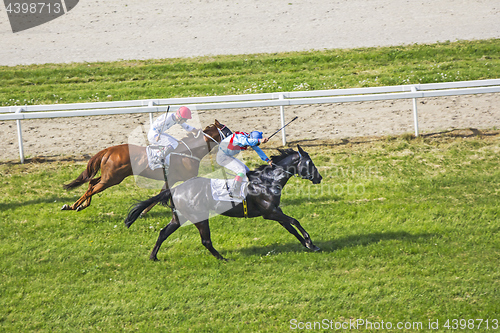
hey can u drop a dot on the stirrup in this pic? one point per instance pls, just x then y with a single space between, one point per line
235 195
166 150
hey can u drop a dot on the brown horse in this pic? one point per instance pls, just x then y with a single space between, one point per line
119 162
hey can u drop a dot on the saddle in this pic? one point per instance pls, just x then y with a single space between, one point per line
158 157
221 190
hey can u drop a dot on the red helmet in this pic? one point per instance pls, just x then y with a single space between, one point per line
184 112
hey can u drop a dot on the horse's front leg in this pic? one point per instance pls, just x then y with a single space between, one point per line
288 223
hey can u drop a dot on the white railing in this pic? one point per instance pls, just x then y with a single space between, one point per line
281 99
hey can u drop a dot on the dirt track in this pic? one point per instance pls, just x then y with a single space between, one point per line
128 29
86 136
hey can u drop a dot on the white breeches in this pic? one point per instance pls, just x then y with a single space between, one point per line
232 163
165 140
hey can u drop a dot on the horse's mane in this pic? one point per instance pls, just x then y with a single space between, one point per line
209 126
284 153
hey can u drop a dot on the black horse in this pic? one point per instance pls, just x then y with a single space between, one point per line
193 200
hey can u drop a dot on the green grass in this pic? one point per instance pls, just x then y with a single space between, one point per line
408 227
222 75
408 230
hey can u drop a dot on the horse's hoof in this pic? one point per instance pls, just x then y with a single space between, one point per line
80 208
65 207
153 258
314 248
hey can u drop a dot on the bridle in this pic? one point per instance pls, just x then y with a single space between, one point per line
224 132
308 175
222 135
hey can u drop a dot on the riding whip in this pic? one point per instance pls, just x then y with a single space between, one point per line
158 138
283 127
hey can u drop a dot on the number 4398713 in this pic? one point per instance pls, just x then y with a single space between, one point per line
33 8
454 324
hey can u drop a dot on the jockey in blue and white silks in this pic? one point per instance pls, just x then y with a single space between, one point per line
231 147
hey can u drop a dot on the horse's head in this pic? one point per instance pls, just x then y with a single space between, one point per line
306 168
216 132
223 129
292 163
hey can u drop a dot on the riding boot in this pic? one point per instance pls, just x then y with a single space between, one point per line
235 192
165 151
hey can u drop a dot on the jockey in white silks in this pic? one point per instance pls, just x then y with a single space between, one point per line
231 146
158 135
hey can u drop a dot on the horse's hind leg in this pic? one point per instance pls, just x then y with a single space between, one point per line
288 223
93 191
86 197
204 230
164 233
145 211
95 187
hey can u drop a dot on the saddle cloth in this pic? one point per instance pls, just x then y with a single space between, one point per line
221 188
156 159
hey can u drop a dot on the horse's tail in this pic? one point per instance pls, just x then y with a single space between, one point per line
93 167
164 197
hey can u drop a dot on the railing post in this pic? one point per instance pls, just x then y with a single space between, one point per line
20 136
415 112
282 115
151 104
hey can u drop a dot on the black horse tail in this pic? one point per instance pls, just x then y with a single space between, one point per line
164 197
93 167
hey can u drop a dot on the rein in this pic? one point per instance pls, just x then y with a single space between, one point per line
208 136
186 155
221 135
308 176
288 172
190 151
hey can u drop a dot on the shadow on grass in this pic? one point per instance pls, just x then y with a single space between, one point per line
48 200
297 201
463 133
457 132
49 159
337 244
157 214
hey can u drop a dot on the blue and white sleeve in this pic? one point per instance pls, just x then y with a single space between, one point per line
261 154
